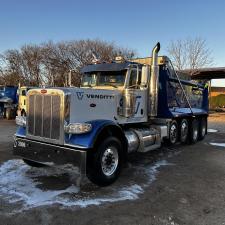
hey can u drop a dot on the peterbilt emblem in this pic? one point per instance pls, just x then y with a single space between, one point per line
43 91
80 95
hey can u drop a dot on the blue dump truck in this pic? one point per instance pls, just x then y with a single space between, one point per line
121 107
8 101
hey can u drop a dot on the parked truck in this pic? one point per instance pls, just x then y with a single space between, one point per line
120 107
22 102
8 101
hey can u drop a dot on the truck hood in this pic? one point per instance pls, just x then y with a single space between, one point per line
93 104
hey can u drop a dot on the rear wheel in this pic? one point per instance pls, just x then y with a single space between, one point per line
104 165
202 128
173 133
33 164
184 131
194 131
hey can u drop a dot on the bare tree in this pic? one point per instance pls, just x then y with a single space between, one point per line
50 63
190 54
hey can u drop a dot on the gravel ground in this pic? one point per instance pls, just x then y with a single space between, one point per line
217 121
180 185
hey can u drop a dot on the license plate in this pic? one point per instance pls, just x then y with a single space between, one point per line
21 144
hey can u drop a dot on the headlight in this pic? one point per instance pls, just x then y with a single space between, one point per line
78 128
21 121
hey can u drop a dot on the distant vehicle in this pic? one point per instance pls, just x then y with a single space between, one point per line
220 109
8 101
121 107
22 104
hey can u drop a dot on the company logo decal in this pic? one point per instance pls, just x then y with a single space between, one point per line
80 95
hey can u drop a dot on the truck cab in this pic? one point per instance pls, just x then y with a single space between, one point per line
121 107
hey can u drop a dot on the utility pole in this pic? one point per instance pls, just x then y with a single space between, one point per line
210 94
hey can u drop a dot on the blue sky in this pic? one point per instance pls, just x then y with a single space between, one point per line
134 24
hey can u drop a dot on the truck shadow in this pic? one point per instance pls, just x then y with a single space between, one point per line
23 187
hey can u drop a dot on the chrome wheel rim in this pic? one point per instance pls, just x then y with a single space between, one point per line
110 161
173 133
184 130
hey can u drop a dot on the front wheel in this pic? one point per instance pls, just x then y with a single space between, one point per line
104 165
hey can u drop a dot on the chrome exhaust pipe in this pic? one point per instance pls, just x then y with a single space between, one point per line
154 82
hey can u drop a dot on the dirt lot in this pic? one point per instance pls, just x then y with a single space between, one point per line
178 185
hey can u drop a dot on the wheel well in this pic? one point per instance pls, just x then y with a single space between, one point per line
114 131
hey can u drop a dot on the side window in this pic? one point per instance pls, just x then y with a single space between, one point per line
139 77
133 77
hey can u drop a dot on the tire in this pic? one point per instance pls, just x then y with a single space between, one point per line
184 131
8 113
173 133
33 164
202 128
194 131
104 165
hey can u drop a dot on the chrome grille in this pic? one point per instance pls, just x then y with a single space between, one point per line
44 116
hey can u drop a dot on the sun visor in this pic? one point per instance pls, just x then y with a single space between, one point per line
105 67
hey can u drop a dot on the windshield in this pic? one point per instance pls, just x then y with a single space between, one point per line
109 78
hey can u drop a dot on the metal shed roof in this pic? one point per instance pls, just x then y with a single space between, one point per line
207 73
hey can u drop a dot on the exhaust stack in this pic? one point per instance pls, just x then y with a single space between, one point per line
69 81
154 82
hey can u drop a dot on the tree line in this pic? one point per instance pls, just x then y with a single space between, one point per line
49 63
190 53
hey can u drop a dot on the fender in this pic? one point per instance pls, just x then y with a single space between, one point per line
88 140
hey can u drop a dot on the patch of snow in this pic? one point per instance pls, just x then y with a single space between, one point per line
19 184
217 144
212 130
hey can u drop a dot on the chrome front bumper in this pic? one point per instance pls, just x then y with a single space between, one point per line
50 154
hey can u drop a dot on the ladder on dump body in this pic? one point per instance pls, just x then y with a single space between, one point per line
182 88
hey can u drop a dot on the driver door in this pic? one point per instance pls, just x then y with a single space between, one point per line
134 82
